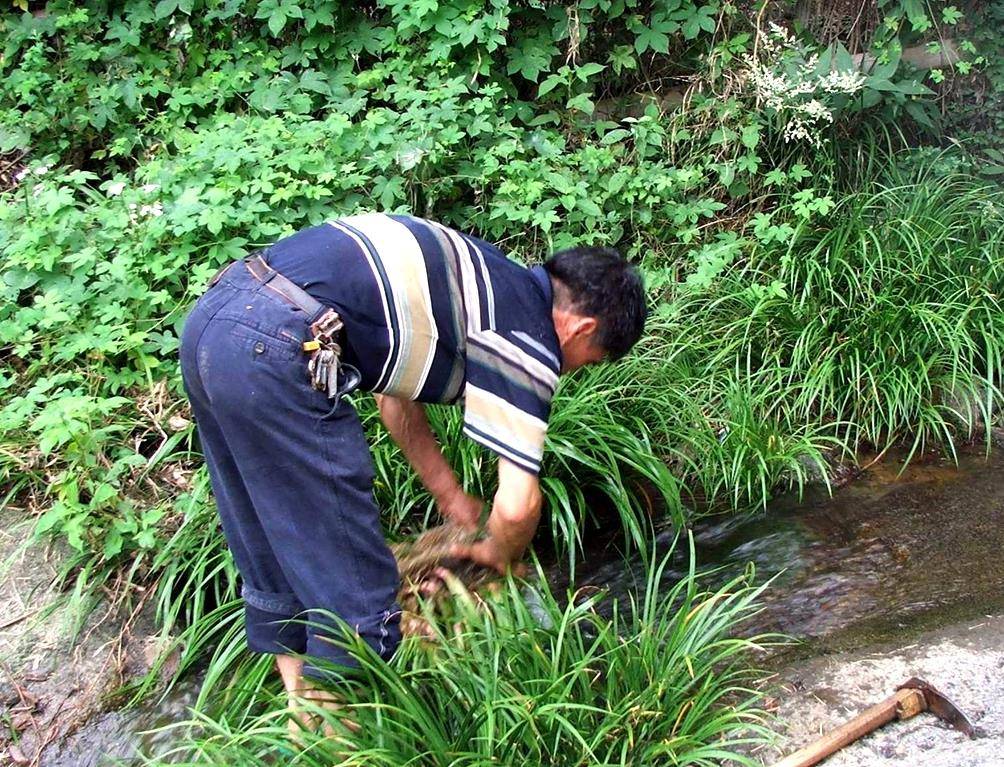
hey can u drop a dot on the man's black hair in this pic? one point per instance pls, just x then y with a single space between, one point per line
601 284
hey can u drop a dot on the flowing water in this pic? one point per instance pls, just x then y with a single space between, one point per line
885 556
895 551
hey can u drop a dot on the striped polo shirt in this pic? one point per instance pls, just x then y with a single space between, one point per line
437 316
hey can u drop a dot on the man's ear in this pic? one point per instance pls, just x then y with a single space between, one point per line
584 326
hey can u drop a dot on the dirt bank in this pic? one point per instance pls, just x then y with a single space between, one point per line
965 661
60 664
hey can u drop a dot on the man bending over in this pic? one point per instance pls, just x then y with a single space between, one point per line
417 313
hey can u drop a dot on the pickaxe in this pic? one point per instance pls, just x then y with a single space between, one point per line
911 698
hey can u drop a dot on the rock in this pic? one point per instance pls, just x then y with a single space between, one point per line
963 661
966 409
997 436
8 695
62 665
813 472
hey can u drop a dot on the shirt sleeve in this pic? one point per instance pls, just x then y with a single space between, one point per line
507 396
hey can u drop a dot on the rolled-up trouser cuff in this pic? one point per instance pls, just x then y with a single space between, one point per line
274 622
381 631
274 633
278 624
280 604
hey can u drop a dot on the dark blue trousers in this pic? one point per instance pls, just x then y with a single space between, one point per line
292 477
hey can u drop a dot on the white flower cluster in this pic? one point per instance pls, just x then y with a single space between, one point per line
785 80
137 212
778 39
116 188
842 82
22 174
776 90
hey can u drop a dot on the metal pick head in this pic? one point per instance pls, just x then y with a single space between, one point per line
939 705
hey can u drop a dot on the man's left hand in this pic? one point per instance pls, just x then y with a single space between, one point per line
488 553
462 509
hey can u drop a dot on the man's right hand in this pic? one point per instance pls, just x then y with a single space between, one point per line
488 553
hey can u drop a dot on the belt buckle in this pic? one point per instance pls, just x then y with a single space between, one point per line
327 326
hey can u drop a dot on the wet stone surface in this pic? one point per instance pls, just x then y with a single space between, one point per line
964 662
118 737
62 665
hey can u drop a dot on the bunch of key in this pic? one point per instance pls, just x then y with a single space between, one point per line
323 370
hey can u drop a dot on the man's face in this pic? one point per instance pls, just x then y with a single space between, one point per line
578 337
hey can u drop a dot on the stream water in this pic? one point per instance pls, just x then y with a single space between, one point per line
895 551
889 554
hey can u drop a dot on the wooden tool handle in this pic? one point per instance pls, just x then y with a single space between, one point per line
904 704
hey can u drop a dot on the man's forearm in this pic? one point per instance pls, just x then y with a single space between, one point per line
512 533
515 511
407 424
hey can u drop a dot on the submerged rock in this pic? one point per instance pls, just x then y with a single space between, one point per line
61 662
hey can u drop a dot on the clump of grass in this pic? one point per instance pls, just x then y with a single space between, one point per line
888 323
880 323
526 678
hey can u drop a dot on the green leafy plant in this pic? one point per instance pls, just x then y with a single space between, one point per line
806 301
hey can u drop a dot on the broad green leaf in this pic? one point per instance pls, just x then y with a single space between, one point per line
549 85
277 21
651 39
315 81
165 8
582 102
113 543
842 59
612 137
588 70
884 71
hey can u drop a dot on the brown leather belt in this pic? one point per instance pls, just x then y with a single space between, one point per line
317 313
325 369
289 290
324 321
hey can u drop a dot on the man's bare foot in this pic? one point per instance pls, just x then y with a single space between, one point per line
309 704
